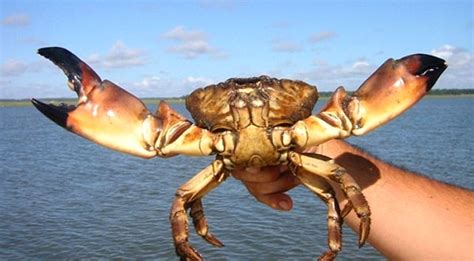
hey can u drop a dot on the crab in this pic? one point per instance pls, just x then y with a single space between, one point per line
244 122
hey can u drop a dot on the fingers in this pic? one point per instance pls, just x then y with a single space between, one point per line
268 185
284 182
265 174
278 201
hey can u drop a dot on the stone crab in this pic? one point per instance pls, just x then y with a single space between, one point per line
244 122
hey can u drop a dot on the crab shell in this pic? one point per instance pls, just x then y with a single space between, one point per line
267 102
249 111
245 122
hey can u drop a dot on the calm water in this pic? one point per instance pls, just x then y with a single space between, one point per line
62 197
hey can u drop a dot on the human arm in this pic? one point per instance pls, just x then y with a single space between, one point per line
413 217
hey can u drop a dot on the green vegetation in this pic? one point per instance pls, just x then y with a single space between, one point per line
174 100
440 92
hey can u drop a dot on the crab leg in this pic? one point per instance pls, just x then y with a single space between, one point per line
392 89
323 190
200 223
331 171
110 116
186 196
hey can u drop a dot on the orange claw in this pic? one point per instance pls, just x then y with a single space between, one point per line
394 88
105 113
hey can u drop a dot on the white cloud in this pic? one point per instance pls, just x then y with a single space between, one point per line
453 55
460 72
16 20
285 46
192 49
13 68
192 82
227 5
152 86
148 82
119 56
191 44
361 66
321 36
158 86
33 41
329 76
181 34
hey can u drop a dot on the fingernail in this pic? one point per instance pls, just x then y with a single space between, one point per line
284 205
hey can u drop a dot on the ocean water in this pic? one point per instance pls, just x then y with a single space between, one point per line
62 197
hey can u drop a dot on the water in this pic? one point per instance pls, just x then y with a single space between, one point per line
62 197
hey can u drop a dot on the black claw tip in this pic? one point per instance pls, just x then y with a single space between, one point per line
425 65
72 66
64 59
433 68
58 114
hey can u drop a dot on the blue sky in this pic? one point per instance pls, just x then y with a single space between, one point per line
168 48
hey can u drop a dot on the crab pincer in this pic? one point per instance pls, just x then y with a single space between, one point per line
104 113
112 117
245 122
394 88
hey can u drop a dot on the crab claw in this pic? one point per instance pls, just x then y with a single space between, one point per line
392 89
105 113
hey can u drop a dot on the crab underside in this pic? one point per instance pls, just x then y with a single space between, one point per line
244 122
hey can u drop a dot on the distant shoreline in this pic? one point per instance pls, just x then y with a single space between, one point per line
464 93
27 102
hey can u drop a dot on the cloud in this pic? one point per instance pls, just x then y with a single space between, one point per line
13 68
321 36
32 40
353 73
460 63
119 56
158 86
227 5
191 44
191 50
284 46
280 24
455 56
152 86
181 34
16 20
329 76
361 66
196 82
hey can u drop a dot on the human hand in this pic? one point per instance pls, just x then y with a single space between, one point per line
269 184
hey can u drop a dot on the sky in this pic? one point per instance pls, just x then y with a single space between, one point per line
169 48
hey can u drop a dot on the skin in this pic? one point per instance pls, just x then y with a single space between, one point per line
413 217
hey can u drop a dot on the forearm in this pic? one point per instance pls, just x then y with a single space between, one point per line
413 217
